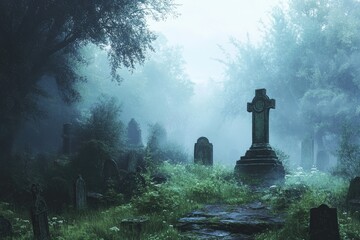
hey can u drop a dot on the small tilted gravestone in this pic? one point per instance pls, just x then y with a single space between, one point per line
260 165
307 153
324 223
38 213
353 196
80 194
322 160
203 152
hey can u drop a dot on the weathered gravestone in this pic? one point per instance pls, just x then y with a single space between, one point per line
260 163
67 128
307 153
80 193
134 134
110 170
38 213
203 152
111 173
324 223
353 196
322 160
5 228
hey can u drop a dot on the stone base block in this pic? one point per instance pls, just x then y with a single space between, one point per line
256 173
260 167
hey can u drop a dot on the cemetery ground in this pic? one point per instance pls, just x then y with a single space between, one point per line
154 212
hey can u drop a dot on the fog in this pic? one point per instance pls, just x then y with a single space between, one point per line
207 63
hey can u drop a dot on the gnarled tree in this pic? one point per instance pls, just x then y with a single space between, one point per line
43 37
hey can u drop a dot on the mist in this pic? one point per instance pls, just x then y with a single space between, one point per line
198 80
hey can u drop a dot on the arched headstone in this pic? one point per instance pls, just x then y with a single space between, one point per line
203 152
323 223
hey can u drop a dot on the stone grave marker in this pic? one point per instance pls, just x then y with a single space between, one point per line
307 153
203 152
260 165
134 134
353 195
111 173
38 213
324 223
322 160
66 136
80 194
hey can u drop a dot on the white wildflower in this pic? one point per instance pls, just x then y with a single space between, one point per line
115 229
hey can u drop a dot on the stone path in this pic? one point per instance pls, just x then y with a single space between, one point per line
229 222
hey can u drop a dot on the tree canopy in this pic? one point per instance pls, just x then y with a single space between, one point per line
43 38
309 61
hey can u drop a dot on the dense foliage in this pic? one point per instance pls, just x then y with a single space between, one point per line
43 39
309 61
187 188
103 124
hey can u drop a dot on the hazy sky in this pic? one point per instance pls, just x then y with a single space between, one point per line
203 25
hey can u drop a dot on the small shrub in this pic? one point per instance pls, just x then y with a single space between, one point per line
348 153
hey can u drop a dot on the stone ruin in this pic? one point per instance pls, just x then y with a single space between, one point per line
260 165
203 152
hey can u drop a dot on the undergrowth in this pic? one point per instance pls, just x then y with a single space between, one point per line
188 187
303 191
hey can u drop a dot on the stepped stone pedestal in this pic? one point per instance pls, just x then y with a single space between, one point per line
260 165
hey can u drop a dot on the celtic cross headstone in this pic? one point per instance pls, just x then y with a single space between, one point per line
260 162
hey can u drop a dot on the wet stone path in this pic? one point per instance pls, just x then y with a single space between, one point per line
229 222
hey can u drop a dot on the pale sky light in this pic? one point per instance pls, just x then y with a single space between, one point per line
204 24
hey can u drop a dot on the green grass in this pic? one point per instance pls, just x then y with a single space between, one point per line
310 190
188 188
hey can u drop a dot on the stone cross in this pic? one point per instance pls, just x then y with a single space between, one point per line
260 165
260 107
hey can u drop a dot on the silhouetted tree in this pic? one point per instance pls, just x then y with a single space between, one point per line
308 61
43 38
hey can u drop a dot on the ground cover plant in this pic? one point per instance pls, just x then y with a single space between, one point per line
189 187
303 191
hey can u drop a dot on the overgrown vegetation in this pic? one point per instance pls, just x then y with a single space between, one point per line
306 190
189 187
348 153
